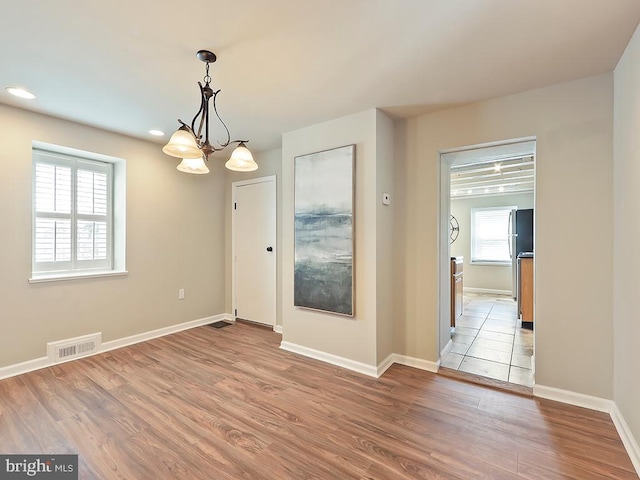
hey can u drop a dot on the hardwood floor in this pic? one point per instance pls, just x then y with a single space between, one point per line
229 404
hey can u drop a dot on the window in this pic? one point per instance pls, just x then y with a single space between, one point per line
490 235
73 215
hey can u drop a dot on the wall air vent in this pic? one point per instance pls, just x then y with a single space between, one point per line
71 348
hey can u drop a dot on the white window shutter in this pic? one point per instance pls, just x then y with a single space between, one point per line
72 228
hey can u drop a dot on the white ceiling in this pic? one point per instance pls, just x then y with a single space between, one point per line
130 66
509 175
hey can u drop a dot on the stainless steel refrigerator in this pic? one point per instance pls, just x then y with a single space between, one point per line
521 240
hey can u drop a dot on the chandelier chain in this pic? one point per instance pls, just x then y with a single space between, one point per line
207 77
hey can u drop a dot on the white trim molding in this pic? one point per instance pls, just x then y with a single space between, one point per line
573 398
385 364
370 370
630 443
447 348
25 367
419 363
278 329
600 405
343 362
44 362
161 332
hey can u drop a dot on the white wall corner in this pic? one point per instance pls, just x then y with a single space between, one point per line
347 363
278 329
629 441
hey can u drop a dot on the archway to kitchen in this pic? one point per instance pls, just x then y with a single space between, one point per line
486 264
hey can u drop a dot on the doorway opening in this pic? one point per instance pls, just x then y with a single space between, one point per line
487 262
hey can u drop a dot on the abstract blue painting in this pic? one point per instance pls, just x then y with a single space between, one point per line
324 236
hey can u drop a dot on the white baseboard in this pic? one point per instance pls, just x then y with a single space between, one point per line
347 363
486 290
278 329
630 443
573 398
409 362
427 365
385 364
161 332
446 348
360 367
600 405
44 362
25 367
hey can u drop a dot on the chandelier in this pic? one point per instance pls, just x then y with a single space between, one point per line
192 144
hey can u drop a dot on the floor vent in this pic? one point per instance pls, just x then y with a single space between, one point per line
71 348
220 324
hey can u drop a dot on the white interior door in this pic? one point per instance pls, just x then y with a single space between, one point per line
254 250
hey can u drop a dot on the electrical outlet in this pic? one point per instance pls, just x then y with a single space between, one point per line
181 294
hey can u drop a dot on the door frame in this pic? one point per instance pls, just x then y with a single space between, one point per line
234 188
460 156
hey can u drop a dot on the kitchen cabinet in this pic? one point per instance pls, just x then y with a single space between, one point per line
456 289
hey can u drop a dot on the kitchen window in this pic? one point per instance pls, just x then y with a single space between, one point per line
490 236
74 233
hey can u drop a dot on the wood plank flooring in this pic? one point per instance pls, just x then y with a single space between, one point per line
229 404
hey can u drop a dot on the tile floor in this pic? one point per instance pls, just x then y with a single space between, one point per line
488 340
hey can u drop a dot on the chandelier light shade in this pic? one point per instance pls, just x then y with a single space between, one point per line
191 143
182 144
241 160
193 165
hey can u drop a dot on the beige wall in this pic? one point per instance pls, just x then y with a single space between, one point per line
572 123
351 338
175 239
489 277
269 163
416 249
385 315
626 214
403 287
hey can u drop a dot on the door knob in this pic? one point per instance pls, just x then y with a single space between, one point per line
269 249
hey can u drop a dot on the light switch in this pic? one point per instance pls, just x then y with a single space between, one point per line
386 199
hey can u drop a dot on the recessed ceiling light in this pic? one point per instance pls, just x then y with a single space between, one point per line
157 133
20 92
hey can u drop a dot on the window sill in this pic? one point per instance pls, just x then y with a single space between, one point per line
58 277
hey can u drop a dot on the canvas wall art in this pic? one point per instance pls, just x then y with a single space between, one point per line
324 234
